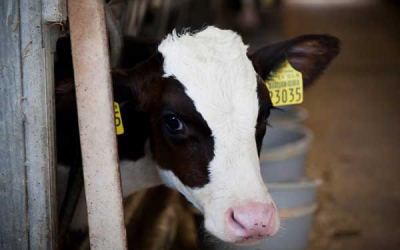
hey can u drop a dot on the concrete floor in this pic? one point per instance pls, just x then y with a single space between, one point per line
354 112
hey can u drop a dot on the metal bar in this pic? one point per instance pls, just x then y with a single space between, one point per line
165 12
96 124
38 107
13 195
54 10
116 38
27 207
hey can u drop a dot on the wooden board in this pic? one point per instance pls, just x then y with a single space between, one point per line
27 158
13 193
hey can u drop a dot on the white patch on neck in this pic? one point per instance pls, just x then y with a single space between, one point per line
139 175
218 76
172 181
135 176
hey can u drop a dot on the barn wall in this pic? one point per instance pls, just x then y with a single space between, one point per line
13 193
27 158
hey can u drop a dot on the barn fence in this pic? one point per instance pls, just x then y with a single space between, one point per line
29 30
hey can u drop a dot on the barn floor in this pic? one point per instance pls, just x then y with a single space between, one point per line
354 114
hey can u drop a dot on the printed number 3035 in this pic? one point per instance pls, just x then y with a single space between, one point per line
283 96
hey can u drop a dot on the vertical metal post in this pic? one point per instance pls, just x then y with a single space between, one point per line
97 124
27 158
13 193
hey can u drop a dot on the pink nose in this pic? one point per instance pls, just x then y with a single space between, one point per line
252 222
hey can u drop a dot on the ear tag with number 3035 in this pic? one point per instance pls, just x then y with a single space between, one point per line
285 86
118 119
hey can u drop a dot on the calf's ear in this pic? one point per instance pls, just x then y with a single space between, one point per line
143 82
309 54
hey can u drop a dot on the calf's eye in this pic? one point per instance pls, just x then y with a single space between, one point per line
173 123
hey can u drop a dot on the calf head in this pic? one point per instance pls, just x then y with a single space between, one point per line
208 105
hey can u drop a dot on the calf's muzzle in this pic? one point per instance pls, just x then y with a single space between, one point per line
251 222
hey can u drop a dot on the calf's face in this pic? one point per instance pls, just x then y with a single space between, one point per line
208 105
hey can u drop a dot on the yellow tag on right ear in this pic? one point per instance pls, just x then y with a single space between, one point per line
286 86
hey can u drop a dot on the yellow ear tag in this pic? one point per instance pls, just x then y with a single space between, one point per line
118 119
286 86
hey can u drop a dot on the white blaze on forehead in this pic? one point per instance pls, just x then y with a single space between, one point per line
220 79
217 74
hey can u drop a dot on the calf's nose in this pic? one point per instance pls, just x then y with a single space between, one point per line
252 222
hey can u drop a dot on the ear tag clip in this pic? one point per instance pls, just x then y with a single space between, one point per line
286 86
118 119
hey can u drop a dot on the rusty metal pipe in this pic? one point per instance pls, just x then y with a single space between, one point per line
97 124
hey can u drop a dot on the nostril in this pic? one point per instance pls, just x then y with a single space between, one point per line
236 222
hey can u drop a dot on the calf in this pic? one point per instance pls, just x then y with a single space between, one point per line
195 114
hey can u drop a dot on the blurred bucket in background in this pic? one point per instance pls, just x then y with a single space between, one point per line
287 115
283 154
294 194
